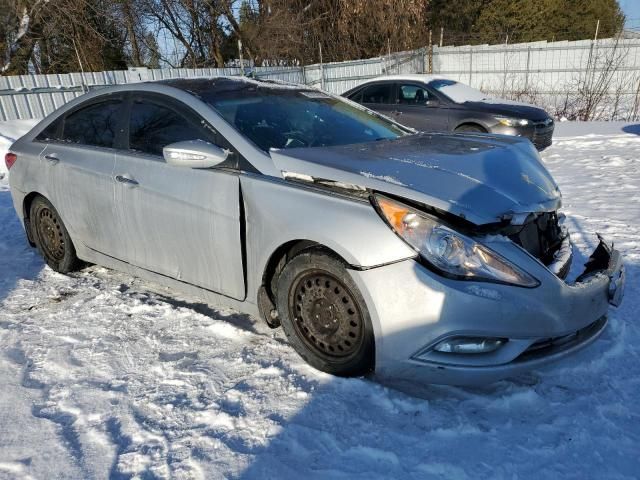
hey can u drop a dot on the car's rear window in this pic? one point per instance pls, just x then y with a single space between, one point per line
284 117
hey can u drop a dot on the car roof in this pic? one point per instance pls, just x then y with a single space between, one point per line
416 77
202 86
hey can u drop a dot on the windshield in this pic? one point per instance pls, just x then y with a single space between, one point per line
457 92
291 118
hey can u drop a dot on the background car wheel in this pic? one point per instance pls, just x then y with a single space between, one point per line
471 128
51 237
324 315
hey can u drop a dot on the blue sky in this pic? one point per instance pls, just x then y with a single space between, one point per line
631 9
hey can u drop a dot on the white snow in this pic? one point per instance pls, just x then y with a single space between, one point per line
104 375
384 178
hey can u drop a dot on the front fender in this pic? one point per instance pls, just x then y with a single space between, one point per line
278 212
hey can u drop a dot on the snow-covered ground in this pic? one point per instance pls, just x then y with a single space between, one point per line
103 375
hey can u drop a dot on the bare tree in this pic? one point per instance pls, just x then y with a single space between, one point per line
594 86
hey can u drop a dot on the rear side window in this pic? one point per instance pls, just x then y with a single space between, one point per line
95 125
153 126
356 97
52 133
412 95
380 93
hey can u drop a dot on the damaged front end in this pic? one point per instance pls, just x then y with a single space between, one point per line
545 237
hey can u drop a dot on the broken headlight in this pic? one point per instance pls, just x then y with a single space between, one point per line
447 250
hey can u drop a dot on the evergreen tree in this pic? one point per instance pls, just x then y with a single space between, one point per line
490 21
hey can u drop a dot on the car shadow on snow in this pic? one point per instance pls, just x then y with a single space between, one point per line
17 259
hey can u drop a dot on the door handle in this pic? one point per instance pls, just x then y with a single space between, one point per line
126 180
51 158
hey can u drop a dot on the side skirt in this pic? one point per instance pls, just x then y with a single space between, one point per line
208 296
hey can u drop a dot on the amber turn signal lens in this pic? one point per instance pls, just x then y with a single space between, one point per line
393 212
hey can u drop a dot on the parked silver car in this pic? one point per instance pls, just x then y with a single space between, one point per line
424 256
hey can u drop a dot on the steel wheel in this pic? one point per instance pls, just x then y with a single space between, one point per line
51 237
50 233
325 314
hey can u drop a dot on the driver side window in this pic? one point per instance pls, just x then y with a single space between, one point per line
412 95
153 126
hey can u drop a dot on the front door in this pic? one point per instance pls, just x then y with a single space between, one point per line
419 110
180 222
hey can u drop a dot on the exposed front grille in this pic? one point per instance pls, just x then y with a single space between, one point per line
541 237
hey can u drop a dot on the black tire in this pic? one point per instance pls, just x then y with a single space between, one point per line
51 237
324 316
471 129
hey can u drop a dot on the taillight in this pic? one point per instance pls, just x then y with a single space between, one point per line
10 159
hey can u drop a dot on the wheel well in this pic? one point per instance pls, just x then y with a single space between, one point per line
274 266
472 124
26 211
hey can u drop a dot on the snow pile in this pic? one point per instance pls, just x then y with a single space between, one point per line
104 375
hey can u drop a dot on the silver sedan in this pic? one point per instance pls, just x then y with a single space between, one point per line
434 257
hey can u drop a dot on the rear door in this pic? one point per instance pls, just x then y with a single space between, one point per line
419 109
177 221
379 96
78 161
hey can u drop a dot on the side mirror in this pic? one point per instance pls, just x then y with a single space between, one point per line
432 103
194 154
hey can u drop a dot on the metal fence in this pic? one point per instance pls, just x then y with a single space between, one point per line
551 74
35 96
554 75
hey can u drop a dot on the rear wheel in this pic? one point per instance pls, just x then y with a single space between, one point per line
324 315
51 237
471 128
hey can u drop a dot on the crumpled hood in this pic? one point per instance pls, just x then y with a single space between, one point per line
483 178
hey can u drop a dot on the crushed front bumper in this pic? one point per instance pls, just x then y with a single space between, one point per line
414 309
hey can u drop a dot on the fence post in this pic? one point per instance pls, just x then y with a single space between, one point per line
636 104
430 53
441 36
504 76
321 68
470 64
84 86
388 62
526 78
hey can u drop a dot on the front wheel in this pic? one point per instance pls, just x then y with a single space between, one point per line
469 128
324 315
51 237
